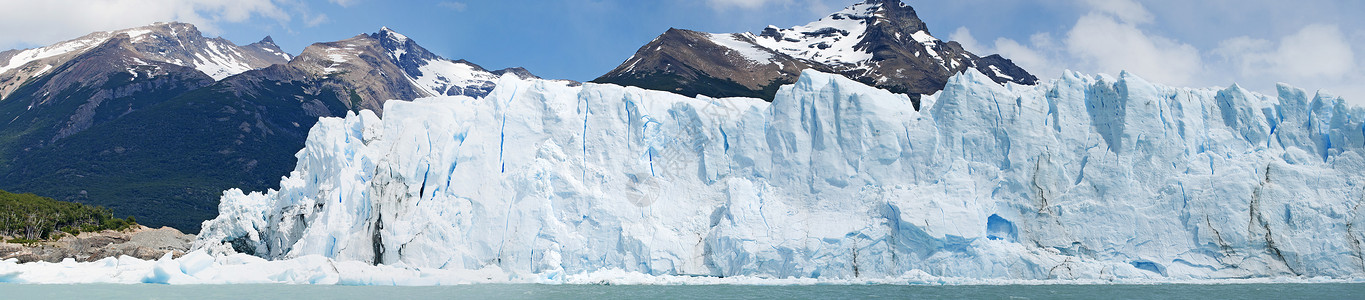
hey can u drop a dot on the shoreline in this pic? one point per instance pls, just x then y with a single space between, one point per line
138 241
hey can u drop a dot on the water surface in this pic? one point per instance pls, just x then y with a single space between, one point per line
537 291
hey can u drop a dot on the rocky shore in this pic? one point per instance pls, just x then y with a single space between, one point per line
139 241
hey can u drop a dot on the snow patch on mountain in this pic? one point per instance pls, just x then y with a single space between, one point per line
830 40
35 54
398 37
445 77
998 73
924 38
220 61
745 47
137 33
215 57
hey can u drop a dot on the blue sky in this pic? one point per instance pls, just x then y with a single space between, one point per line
1313 44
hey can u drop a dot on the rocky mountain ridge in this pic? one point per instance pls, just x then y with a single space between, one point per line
162 43
878 42
133 121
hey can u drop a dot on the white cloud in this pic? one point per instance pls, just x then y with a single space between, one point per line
1317 51
457 6
1105 40
1024 56
818 7
48 21
746 4
1104 44
1125 10
1034 58
1110 36
315 20
1317 56
344 3
964 36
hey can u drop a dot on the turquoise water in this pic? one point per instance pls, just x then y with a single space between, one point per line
1236 291
533 291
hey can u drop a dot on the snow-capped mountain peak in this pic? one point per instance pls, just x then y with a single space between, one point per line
830 40
843 37
432 74
370 63
878 42
174 43
398 37
267 47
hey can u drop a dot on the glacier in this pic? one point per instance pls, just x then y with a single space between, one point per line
1079 178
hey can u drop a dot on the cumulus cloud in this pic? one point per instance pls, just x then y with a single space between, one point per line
1125 10
1317 56
1108 39
964 37
1115 35
48 21
746 4
457 6
344 3
1318 51
1110 45
764 9
1031 58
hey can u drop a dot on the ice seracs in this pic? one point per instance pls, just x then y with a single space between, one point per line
1080 178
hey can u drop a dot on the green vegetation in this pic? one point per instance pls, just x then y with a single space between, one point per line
355 100
34 162
32 218
168 162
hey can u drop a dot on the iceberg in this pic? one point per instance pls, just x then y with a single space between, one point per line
1079 178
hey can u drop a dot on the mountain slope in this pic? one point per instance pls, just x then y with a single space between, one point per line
52 92
879 42
97 86
167 162
117 127
388 65
175 43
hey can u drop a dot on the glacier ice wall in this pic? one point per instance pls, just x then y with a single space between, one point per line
1083 177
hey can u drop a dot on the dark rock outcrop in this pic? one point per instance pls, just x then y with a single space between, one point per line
878 42
140 242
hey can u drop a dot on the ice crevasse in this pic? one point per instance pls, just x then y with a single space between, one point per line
1082 177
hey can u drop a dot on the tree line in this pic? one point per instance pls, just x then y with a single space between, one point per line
31 218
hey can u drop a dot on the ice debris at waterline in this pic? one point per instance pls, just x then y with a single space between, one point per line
1091 178
202 268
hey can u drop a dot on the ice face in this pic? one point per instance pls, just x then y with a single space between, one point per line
1083 177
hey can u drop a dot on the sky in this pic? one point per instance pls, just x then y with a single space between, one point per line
1311 44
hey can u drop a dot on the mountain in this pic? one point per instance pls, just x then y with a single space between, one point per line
369 65
123 124
179 44
52 92
882 43
1084 177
